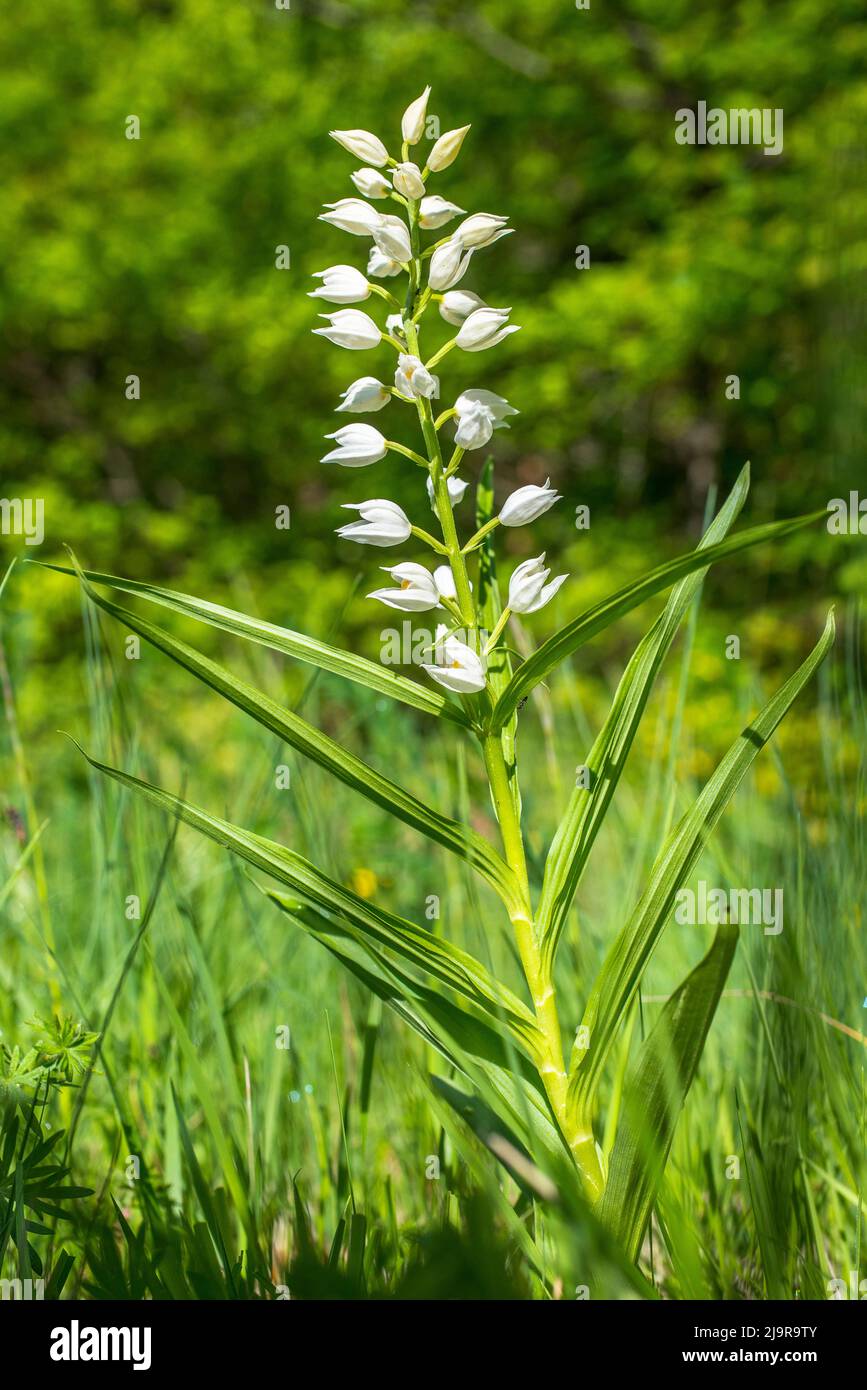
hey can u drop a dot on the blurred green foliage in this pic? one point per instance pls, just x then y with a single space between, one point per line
156 257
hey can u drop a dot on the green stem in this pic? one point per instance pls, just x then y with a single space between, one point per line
407 453
442 501
501 623
384 294
552 1070
475 541
438 356
428 539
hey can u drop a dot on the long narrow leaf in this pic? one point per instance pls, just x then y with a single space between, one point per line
317 746
655 1092
630 952
603 614
587 807
437 957
505 1079
283 639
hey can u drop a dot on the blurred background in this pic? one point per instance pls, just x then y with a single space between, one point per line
156 258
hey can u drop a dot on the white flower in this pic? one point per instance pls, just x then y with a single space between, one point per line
350 328
413 378
475 426
457 305
458 667
417 592
498 407
483 229
528 591
341 284
445 580
371 183
435 211
391 235
456 486
352 215
381 266
448 265
484 329
364 394
394 325
446 149
357 446
408 180
412 120
363 144
382 523
527 504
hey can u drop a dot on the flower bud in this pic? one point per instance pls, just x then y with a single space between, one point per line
341 284
365 146
436 211
412 378
392 237
417 592
350 328
352 215
475 426
483 229
446 149
412 121
371 183
445 581
527 504
357 446
457 305
382 523
381 266
484 329
528 591
458 667
367 393
498 407
408 180
448 265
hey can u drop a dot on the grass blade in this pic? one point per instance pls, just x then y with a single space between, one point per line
629 954
321 749
656 1089
587 807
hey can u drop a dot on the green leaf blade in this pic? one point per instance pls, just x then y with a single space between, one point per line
630 952
587 807
603 614
297 645
655 1092
461 840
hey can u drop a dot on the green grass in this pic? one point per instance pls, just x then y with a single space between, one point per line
313 1167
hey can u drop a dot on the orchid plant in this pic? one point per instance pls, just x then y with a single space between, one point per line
540 1101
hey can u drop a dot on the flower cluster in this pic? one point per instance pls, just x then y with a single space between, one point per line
433 275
